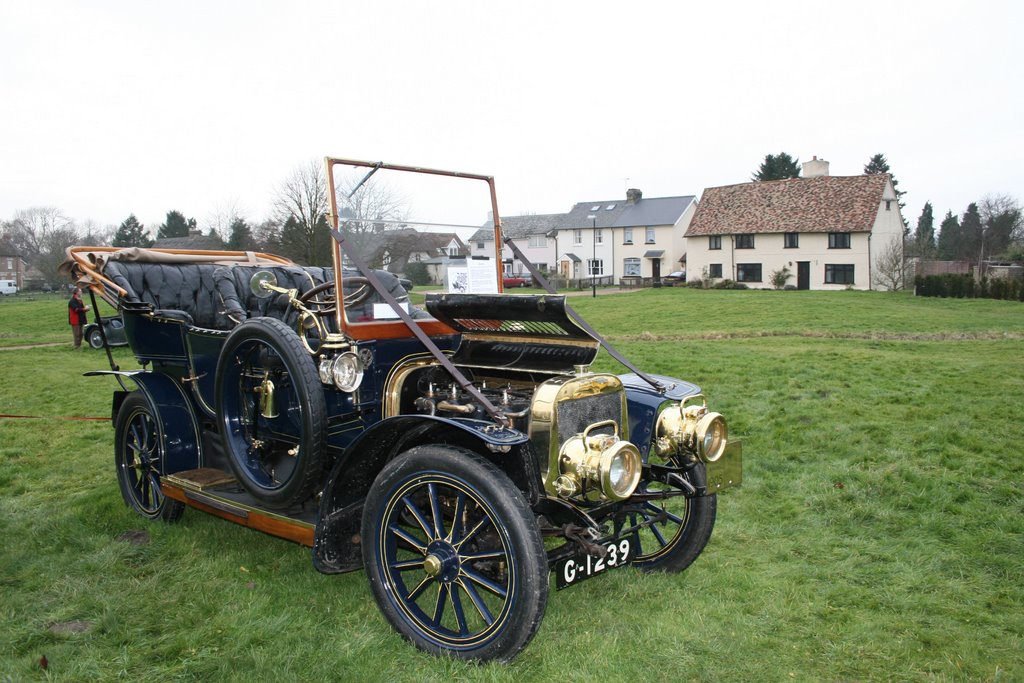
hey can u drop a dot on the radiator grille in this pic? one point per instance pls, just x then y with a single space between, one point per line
576 415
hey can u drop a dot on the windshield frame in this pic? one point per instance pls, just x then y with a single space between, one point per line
396 328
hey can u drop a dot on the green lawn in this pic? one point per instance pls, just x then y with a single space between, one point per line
879 533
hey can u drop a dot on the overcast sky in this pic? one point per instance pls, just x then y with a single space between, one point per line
111 108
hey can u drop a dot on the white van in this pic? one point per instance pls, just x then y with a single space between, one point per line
8 287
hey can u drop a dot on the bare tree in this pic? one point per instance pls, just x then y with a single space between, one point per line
890 267
219 221
368 210
1002 223
40 235
93 234
300 207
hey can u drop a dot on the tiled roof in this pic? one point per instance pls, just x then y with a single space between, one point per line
520 226
200 242
610 213
822 204
654 211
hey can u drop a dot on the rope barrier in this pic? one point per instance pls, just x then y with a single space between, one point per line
49 417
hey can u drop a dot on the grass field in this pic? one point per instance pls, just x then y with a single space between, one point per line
879 533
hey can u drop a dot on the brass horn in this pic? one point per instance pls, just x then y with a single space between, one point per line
268 405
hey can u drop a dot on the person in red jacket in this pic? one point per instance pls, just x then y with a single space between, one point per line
76 316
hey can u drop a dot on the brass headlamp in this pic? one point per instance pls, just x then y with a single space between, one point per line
691 428
609 465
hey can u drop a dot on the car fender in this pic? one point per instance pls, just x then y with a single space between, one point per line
336 546
177 425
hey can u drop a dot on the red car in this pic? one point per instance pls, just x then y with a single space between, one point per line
509 282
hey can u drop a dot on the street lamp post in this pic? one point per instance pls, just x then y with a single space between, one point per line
593 261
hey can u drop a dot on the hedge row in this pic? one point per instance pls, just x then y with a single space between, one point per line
965 287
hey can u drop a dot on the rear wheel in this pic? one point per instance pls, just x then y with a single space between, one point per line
454 555
272 414
138 456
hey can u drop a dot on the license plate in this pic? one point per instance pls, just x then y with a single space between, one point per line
572 570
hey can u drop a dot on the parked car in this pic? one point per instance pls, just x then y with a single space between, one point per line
674 279
511 282
113 328
459 454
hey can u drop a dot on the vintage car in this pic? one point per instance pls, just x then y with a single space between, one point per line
108 330
460 455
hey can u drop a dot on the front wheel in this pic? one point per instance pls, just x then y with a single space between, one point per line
454 555
95 338
138 456
680 526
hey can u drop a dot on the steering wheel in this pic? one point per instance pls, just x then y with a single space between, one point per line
322 301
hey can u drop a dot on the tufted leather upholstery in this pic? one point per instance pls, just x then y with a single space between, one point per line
218 297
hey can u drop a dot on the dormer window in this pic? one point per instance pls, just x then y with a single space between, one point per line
888 205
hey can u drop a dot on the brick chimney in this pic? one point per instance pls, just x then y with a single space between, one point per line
633 195
815 168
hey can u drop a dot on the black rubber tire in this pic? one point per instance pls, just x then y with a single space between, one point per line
688 538
138 458
95 337
302 420
504 550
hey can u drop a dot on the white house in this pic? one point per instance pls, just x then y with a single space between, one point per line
829 231
533 234
633 238
606 239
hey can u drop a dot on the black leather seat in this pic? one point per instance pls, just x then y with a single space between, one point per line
219 297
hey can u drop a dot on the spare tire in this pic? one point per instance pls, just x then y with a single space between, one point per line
271 412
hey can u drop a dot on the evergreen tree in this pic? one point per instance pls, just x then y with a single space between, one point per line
215 236
131 233
778 167
970 234
241 238
878 164
924 235
949 237
175 225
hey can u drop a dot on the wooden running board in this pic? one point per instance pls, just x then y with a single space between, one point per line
193 488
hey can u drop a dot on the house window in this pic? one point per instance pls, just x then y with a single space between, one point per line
839 273
649 238
542 267
10 264
595 267
791 240
631 266
627 235
715 270
479 245
538 240
599 236
714 242
745 242
888 205
453 251
748 272
577 237
385 259
839 240
416 257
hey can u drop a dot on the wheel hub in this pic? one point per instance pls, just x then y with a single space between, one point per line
442 561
